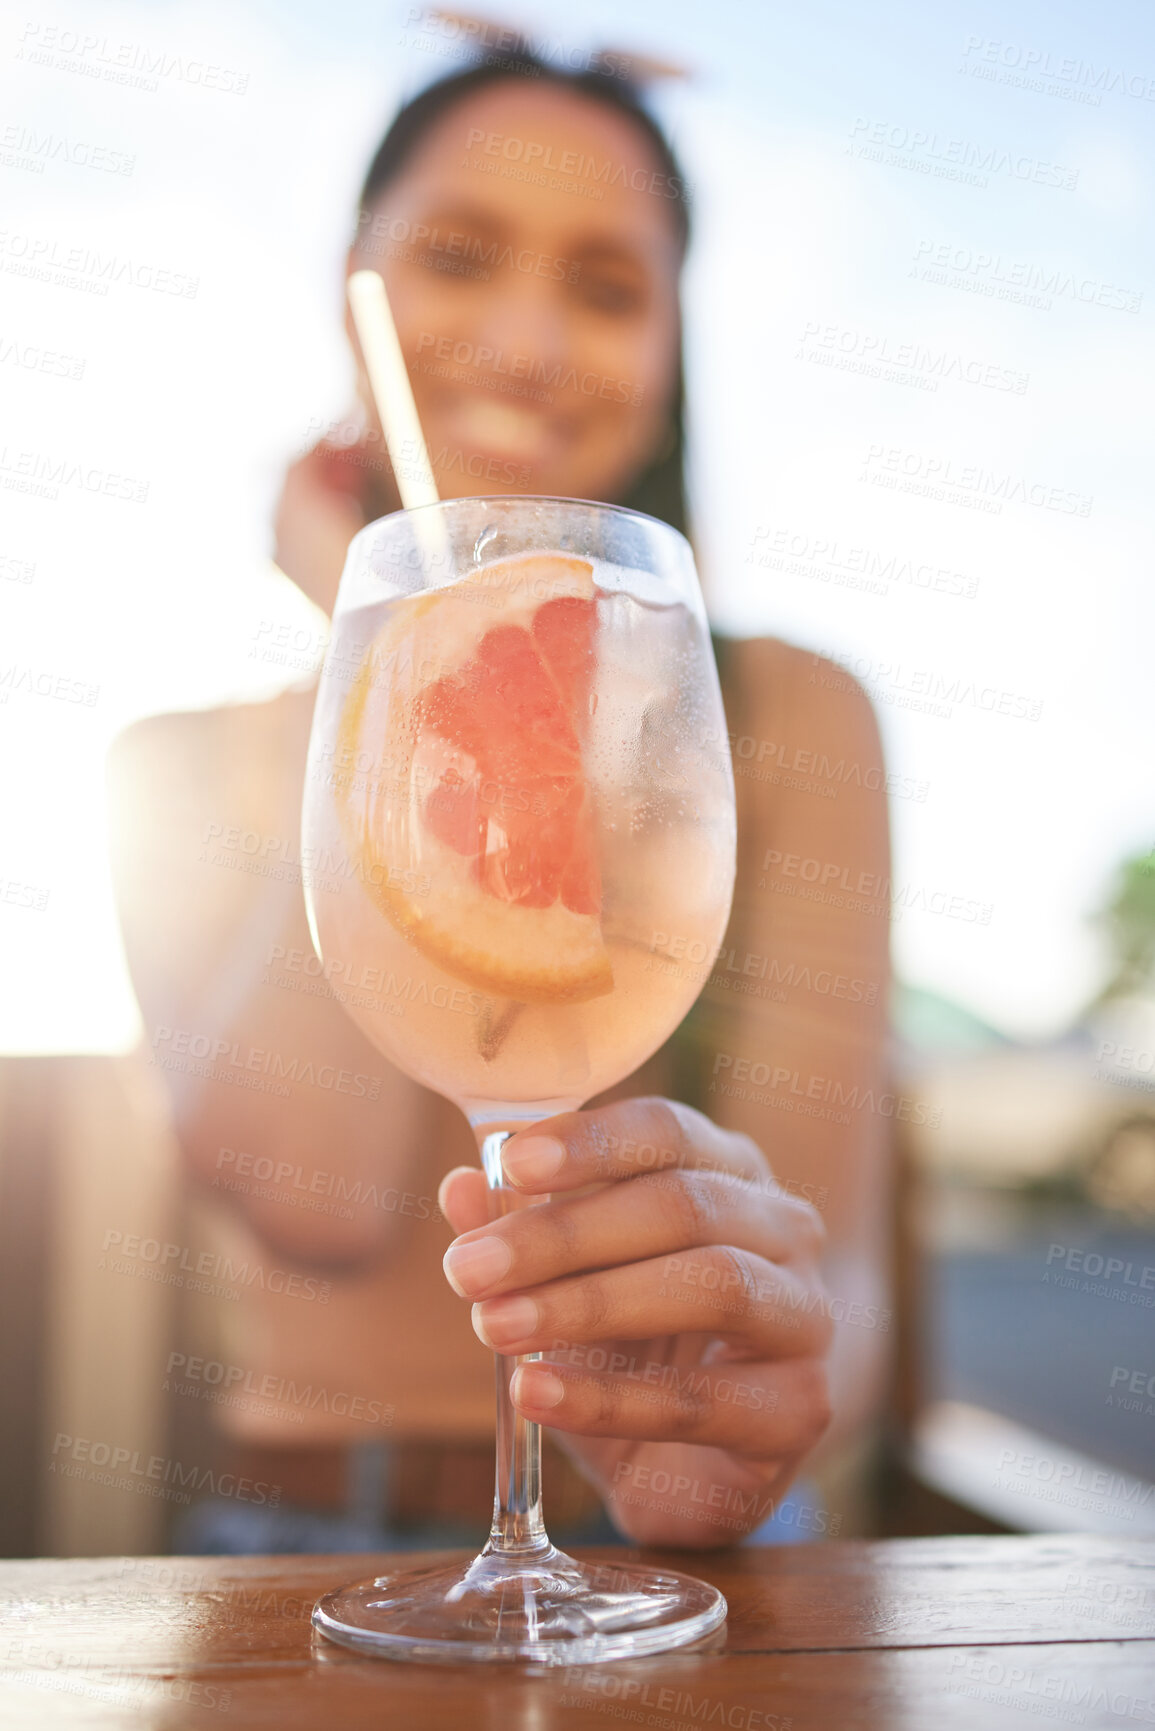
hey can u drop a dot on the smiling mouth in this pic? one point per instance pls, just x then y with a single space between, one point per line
506 430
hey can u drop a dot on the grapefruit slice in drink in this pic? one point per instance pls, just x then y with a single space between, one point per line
473 829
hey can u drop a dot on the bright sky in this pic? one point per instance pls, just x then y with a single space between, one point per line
874 188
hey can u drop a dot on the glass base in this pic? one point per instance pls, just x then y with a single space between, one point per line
540 1607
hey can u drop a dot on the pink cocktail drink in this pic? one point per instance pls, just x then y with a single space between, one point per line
513 816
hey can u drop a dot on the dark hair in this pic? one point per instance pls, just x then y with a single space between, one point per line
660 489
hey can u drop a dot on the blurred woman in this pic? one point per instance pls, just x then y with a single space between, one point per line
530 227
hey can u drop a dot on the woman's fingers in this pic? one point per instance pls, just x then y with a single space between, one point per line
624 1140
717 1290
659 1213
759 1410
461 1197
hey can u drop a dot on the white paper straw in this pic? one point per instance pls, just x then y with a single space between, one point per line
392 391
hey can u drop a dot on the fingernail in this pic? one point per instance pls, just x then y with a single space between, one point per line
470 1268
533 1385
504 1320
533 1159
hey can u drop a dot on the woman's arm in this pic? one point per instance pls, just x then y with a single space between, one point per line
281 1105
798 1061
297 1108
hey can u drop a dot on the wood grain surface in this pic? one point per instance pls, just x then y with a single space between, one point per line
916 1633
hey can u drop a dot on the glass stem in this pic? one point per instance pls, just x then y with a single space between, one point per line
518 1528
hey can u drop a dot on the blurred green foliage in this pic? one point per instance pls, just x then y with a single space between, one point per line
1129 919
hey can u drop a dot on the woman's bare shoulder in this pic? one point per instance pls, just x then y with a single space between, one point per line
175 755
204 821
799 694
182 783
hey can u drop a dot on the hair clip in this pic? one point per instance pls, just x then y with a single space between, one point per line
482 36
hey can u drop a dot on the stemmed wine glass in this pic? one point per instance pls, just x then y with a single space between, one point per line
515 803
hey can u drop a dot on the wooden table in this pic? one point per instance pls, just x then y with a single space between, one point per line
917 1634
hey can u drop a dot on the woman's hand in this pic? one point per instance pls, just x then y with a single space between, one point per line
320 510
678 1307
